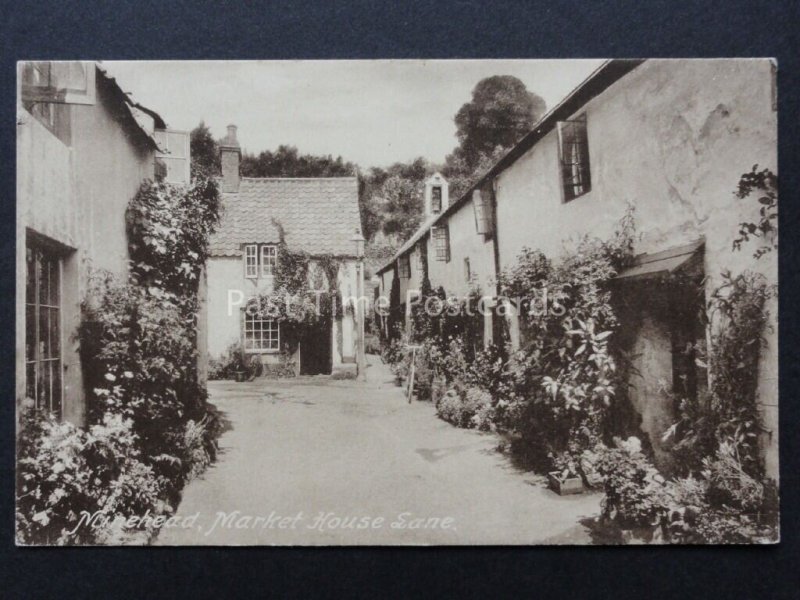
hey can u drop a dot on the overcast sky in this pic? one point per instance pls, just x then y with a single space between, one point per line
371 112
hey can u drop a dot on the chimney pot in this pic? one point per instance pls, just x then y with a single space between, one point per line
232 133
230 156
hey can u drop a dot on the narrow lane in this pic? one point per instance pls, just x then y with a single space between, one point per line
318 462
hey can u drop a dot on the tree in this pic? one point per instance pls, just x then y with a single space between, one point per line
501 111
204 150
287 161
400 202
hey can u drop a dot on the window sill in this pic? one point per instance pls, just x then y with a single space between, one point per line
262 351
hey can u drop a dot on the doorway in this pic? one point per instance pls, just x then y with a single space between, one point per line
315 348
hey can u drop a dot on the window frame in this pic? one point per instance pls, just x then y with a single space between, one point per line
266 326
441 245
248 274
263 264
575 174
434 189
55 347
404 266
174 154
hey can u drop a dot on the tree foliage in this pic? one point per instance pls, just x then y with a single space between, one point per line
204 151
287 161
501 111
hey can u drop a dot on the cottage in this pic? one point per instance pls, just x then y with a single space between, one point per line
83 149
669 138
318 217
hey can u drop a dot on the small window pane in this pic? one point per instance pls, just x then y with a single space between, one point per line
30 276
30 332
30 380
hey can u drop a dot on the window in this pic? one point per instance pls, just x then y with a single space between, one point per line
269 260
467 271
441 243
260 335
172 158
251 261
436 199
574 156
63 82
260 260
482 206
43 329
404 266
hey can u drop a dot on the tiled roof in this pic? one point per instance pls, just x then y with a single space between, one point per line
318 215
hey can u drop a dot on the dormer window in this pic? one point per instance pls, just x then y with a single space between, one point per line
436 199
260 260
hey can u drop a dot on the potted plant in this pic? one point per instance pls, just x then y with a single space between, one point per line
566 479
239 366
400 371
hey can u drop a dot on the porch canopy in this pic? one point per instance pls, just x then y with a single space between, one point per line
662 263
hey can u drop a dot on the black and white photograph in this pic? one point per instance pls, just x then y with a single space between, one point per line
397 302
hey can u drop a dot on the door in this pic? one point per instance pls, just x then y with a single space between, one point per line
315 349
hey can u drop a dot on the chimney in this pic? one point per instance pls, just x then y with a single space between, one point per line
230 154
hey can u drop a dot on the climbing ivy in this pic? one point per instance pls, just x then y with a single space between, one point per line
764 185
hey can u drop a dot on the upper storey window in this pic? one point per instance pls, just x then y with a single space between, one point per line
573 145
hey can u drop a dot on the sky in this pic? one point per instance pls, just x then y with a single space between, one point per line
372 112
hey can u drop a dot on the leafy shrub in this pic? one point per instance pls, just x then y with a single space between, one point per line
232 361
65 472
470 409
633 486
149 431
450 409
722 506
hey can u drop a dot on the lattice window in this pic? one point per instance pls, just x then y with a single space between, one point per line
269 260
574 155
441 243
261 335
404 266
43 329
251 261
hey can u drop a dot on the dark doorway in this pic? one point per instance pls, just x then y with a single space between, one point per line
315 349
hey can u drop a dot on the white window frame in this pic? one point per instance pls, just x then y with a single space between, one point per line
265 335
251 266
268 256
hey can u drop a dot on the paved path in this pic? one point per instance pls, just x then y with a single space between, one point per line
359 455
